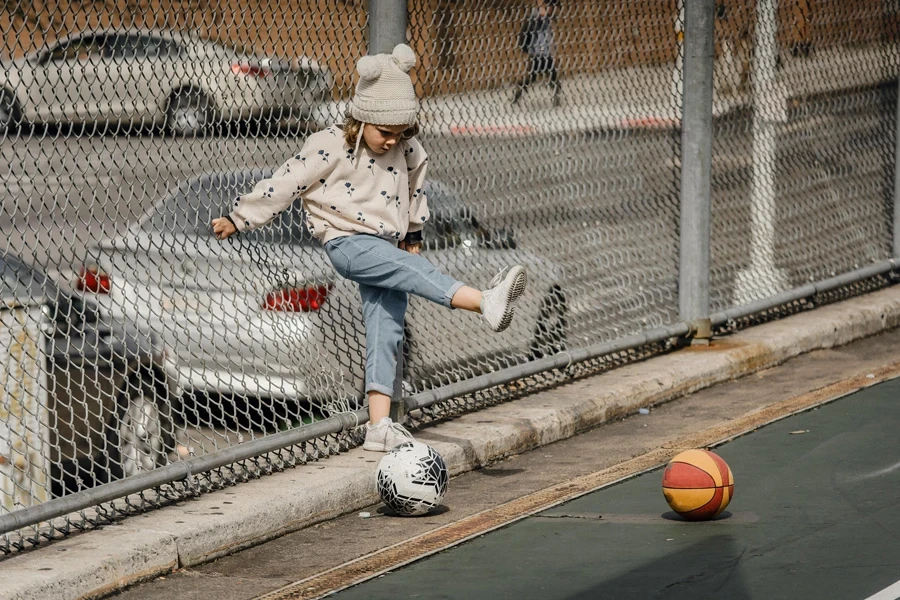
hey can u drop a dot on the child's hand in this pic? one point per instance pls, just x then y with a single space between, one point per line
411 247
223 228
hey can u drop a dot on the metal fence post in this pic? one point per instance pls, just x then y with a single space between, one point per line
696 149
896 247
761 277
387 28
387 25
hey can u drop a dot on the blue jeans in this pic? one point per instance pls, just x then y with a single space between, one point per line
386 275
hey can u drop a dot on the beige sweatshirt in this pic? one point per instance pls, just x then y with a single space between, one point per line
378 194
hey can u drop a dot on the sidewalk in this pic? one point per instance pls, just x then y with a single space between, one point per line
101 561
640 97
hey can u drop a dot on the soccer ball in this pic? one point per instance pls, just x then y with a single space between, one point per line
412 479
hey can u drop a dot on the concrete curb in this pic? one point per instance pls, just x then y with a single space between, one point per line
99 562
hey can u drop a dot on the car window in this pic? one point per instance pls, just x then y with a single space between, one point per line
195 204
82 49
18 281
451 221
139 46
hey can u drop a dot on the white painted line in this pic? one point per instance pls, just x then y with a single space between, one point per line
888 593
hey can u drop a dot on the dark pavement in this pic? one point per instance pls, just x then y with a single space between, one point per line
815 515
264 568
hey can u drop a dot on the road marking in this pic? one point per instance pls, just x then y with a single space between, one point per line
403 553
489 130
888 593
877 473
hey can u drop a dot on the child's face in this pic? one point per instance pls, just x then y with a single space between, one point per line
381 138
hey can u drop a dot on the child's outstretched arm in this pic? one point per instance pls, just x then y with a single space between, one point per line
269 197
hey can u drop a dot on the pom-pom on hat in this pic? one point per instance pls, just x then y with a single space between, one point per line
385 94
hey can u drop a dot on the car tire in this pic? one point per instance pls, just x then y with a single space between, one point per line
72 475
550 335
188 113
9 111
140 434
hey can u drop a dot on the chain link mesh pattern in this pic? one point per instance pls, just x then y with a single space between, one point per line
132 338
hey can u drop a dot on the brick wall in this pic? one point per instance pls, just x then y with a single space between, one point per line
463 44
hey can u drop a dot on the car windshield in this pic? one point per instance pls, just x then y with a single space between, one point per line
82 49
138 46
195 204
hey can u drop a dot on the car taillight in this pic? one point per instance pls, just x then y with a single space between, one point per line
92 279
250 70
297 299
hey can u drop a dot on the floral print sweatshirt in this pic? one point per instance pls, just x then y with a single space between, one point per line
343 194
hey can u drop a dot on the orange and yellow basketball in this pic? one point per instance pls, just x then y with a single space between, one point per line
698 484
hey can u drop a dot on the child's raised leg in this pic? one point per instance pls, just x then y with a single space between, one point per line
467 298
370 260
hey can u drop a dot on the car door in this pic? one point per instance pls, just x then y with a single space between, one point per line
45 92
159 61
134 74
114 79
65 78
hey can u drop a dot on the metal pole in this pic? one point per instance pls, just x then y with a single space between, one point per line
387 25
762 278
696 149
387 28
897 178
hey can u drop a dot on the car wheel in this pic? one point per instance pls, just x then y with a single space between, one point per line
9 111
72 475
140 432
550 332
188 113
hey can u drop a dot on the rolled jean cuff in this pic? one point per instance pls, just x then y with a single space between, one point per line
452 292
377 387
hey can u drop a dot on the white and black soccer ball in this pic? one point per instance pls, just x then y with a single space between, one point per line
412 479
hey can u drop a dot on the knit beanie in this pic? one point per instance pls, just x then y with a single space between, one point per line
385 94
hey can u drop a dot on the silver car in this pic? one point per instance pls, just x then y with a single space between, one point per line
154 77
106 399
265 315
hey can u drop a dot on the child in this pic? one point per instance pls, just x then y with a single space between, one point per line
364 202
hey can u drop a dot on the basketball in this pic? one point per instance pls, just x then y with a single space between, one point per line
698 484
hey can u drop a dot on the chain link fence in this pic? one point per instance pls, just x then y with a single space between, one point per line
133 341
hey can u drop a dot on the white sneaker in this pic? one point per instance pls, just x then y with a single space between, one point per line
384 435
498 303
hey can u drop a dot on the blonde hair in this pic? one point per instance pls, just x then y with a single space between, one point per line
352 127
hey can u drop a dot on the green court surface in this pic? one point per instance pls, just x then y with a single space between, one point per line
815 514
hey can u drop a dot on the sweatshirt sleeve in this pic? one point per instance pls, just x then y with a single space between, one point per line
269 197
417 164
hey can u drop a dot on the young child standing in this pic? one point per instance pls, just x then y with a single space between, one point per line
361 185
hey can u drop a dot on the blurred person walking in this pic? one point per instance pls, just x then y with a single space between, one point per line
536 40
